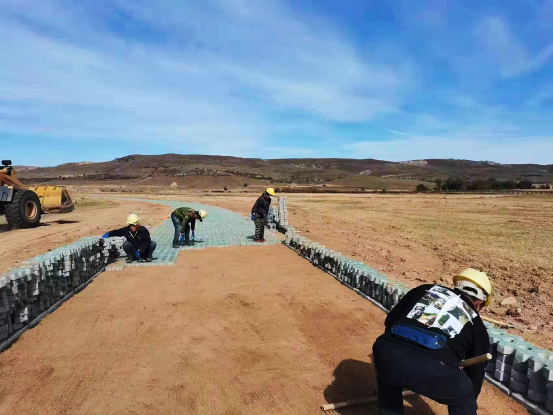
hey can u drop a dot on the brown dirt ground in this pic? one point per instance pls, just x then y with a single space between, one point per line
219 333
419 238
91 217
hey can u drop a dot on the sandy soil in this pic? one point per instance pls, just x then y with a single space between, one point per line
229 331
91 217
428 238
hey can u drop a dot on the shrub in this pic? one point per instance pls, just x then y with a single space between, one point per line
226 188
455 183
277 190
545 186
362 189
421 188
525 184
245 184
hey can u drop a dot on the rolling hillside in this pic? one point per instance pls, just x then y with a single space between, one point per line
345 172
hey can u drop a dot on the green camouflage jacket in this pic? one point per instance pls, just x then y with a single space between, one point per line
186 215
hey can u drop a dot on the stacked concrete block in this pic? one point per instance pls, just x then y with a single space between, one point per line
277 217
283 211
30 290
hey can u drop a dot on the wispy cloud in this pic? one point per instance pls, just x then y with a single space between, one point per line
504 150
505 49
249 78
396 132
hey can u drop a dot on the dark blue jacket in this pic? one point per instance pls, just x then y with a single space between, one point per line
140 239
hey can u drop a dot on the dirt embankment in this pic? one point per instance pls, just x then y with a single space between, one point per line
428 238
218 333
91 217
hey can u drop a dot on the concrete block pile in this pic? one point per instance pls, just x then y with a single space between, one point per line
278 215
355 274
30 290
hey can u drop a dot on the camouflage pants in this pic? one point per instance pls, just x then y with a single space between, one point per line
259 228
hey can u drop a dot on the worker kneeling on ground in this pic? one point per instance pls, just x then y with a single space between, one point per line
260 211
184 220
427 334
138 246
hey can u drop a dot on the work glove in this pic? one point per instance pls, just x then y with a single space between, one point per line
181 237
137 254
105 235
193 235
253 217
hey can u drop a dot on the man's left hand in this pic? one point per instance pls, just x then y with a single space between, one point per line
137 254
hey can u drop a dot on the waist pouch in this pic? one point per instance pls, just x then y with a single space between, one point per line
425 338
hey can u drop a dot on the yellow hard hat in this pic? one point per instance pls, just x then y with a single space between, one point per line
202 214
133 219
271 191
476 281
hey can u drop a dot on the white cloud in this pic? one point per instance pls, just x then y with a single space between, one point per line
503 48
504 150
395 132
227 69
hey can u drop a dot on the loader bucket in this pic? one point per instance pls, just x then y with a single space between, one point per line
54 199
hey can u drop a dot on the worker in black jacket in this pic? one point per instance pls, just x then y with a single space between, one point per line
427 334
260 211
138 246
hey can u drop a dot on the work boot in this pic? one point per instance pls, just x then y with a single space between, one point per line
148 259
176 246
129 259
262 240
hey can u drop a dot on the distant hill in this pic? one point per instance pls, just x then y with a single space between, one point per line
299 171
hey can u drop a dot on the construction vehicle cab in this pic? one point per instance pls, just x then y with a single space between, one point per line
23 207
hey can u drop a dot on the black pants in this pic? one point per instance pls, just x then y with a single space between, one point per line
130 250
400 367
177 223
259 228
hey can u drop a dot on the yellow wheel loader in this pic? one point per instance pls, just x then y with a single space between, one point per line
23 206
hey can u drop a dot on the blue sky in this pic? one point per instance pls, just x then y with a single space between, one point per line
91 80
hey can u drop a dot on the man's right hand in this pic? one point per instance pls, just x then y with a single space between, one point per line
253 217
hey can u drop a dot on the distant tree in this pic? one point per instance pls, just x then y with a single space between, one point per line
439 183
384 190
362 189
509 184
421 188
524 184
226 188
455 183
245 184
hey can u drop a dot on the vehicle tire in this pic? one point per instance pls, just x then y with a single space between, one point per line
24 210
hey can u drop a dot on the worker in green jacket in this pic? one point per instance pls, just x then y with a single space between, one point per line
184 220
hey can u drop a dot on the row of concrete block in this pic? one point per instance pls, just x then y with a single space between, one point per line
354 273
28 291
521 367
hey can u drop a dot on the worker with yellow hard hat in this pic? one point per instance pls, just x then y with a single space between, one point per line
260 211
184 220
427 334
138 245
